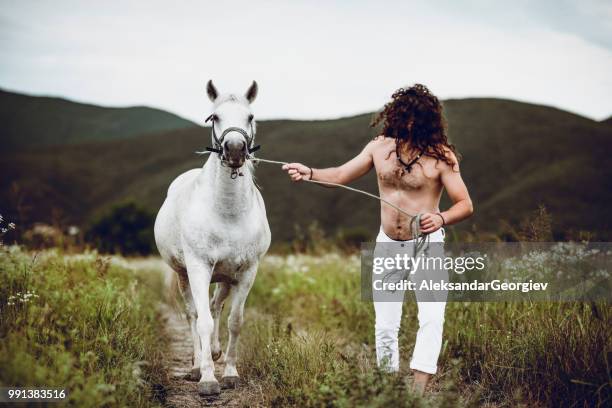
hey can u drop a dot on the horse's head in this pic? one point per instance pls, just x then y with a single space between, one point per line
233 124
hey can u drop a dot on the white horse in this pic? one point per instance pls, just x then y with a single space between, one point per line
213 227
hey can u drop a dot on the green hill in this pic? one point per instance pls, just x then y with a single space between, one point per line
516 156
35 121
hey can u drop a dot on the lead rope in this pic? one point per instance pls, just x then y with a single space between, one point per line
329 183
415 220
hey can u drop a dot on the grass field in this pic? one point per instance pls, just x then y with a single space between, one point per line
80 322
310 342
90 325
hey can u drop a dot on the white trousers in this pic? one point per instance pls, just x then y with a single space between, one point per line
429 336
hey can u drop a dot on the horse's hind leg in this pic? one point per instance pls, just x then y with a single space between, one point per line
239 296
216 307
190 311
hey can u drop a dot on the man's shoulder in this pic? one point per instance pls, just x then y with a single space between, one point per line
379 142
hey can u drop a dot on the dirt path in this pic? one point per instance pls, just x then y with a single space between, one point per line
182 392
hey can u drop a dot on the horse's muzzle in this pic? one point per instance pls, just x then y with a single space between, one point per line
235 153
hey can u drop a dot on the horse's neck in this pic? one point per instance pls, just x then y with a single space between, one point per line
229 196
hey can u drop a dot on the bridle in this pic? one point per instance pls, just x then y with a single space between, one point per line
218 142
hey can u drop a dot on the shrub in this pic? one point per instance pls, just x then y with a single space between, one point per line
125 228
350 239
42 236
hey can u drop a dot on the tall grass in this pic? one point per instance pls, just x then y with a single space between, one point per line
310 343
89 324
82 323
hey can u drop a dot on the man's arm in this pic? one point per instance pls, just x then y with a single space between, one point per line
349 171
462 206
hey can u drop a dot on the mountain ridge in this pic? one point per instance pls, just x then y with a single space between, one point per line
516 156
47 120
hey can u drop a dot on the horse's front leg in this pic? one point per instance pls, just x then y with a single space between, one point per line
216 307
240 292
200 272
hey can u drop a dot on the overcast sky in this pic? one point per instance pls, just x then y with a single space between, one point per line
312 59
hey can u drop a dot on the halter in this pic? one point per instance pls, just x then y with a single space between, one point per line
218 145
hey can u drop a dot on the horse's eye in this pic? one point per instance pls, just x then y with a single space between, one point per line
250 118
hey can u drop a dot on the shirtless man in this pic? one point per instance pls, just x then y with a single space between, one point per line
414 162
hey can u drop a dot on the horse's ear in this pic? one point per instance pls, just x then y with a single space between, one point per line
251 93
211 91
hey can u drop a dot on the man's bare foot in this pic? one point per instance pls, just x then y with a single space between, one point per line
420 381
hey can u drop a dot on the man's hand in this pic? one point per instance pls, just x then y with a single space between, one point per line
431 222
298 171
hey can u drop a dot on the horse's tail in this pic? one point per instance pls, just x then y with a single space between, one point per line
173 297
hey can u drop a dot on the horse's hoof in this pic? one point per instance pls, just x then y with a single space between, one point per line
216 355
207 388
194 375
230 381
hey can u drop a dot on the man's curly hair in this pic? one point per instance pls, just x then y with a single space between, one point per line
415 120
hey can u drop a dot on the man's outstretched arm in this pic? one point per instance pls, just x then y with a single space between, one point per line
349 171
